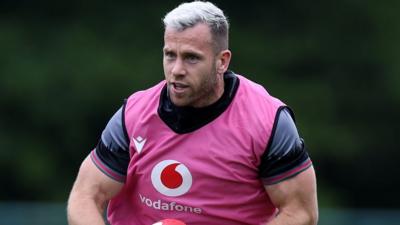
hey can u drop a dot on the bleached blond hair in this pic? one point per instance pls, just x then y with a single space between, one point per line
189 14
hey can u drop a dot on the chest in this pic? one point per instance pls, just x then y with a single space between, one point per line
220 151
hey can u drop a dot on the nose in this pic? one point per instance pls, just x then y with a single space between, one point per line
178 68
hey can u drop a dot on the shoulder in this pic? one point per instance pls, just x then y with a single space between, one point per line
257 92
253 99
250 85
286 154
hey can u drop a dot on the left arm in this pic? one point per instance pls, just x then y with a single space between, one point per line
288 175
296 199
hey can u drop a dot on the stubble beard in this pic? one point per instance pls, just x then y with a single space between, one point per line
208 90
206 94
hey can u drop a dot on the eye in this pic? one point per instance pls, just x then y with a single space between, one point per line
192 58
169 55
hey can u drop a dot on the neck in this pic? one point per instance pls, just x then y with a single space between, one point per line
188 119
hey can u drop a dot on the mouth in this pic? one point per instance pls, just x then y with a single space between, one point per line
178 88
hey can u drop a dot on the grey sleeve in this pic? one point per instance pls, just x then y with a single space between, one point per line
113 135
111 155
285 155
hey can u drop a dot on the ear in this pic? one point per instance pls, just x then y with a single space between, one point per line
223 60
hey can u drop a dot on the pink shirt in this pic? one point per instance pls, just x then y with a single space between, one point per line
208 176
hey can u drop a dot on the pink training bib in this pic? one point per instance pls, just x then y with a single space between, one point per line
208 176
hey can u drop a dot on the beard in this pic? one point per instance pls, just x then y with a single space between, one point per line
208 91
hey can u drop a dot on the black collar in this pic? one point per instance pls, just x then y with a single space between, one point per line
187 119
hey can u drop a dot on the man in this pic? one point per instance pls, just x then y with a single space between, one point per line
205 146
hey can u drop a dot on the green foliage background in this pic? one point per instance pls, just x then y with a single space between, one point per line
66 66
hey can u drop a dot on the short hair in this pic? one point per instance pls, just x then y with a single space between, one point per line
189 14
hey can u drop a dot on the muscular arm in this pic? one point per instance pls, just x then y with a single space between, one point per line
101 176
288 175
90 193
296 199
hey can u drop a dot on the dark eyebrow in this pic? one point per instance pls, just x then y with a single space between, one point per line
186 54
193 53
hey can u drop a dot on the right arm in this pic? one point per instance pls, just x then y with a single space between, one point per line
90 194
101 175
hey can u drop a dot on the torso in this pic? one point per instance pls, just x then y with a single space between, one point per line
207 176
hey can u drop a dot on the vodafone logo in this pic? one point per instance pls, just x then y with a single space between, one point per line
171 178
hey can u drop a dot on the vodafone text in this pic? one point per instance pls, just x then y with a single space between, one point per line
168 206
